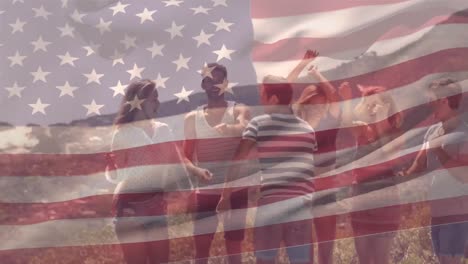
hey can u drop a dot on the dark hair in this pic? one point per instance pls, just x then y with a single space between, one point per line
446 87
142 88
218 67
279 87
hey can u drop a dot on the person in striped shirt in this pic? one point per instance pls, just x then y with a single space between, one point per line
284 145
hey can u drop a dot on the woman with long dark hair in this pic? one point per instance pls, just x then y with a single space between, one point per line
148 165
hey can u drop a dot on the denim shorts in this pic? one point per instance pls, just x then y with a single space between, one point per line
297 236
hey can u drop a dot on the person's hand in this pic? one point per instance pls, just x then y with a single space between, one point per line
310 55
224 203
223 129
203 174
313 70
402 173
345 91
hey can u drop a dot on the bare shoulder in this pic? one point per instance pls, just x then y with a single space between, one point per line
189 125
190 117
241 109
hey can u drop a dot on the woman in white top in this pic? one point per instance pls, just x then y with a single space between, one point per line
144 175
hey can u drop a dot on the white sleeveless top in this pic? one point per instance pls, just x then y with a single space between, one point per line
165 176
215 153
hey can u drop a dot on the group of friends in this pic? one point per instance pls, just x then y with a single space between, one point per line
284 157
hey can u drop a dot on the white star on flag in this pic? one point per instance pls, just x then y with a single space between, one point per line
223 53
156 49
203 38
118 89
16 59
40 75
183 95
17 26
129 42
201 70
135 103
93 77
14 90
173 3
103 26
40 44
41 12
135 72
161 81
226 87
66 30
182 62
118 8
66 89
77 17
117 58
67 59
219 3
206 71
38 107
146 15
200 10
175 30
93 108
222 25
91 48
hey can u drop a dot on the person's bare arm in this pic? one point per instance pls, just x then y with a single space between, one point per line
346 95
242 116
309 56
189 148
328 89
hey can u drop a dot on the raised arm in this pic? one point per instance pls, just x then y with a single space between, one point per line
309 56
346 95
328 89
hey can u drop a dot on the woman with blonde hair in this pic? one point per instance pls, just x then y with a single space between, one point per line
378 138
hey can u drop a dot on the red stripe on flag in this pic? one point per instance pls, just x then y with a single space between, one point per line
85 164
112 252
279 8
294 48
102 206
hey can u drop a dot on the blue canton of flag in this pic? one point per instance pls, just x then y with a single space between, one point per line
68 60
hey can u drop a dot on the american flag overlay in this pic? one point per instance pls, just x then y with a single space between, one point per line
368 150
